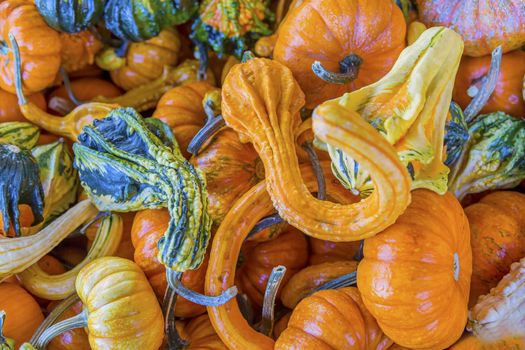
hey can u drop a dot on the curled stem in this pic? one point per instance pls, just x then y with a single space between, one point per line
268 317
213 124
264 223
348 66
69 89
318 171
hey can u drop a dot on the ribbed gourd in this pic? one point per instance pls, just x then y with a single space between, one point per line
70 16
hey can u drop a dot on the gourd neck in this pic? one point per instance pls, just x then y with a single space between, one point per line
348 70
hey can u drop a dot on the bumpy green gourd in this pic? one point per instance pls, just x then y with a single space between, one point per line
70 16
127 163
139 20
456 134
493 158
23 135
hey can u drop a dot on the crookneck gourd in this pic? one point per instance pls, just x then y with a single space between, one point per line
493 156
414 277
70 16
262 101
409 108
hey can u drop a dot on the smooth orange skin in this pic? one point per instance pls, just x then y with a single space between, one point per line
406 277
200 334
497 228
39 45
289 249
325 251
9 110
333 319
145 61
148 227
79 50
483 24
330 30
23 315
507 96
181 108
74 339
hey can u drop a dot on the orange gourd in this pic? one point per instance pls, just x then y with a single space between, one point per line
415 275
355 41
289 249
9 110
325 251
181 108
74 339
200 335
79 50
40 47
497 229
148 227
507 96
332 320
23 315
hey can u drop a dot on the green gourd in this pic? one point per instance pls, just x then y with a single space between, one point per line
70 16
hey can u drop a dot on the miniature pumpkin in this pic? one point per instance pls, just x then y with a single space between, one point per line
325 251
79 50
415 275
9 110
70 16
507 96
353 50
75 339
40 47
200 335
332 319
497 229
483 24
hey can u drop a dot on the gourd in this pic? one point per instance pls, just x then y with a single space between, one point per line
17 254
70 16
57 287
139 20
79 50
9 110
40 47
261 101
313 41
305 281
492 157
289 249
75 339
419 86
120 308
507 96
200 335
322 251
483 25
332 319
497 229
182 109
430 242
232 26
141 62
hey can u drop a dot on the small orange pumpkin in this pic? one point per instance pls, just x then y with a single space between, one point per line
79 50
200 335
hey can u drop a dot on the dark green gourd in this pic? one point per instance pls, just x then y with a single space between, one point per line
70 16
456 134
128 163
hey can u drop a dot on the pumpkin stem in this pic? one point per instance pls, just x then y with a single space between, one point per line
69 90
209 129
122 50
274 281
246 56
77 321
358 256
264 223
18 71
348 66
319 175
488 84
174 282
5 343
175 342
347 280
246 308
202 51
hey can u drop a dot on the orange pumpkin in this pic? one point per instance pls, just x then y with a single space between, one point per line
40 47
497 229
181 108
289 249
74 339
200 335
79 50
23 315
9 110
325 251
332 319
355 41
415 275
507 96
148 227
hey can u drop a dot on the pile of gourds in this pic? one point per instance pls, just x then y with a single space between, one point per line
248 174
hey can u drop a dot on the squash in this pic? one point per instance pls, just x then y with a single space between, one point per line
9 110
313 41
289 249
200 335
40 47
483 25
492 157
414 31
305 281
20 134
75 339
70 16
424 262
23 315
182 109
261 101
79 50
322 251
57 287
231 168
139 20
507 96
142 62
332 319
148 227
497 236
419 86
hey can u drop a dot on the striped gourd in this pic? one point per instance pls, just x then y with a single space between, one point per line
23 135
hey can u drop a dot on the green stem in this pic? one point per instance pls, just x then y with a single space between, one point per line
264 223
18 71
78 321
348 66
212 126
318 171
270 294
